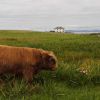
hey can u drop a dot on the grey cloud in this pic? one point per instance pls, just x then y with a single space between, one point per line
45 14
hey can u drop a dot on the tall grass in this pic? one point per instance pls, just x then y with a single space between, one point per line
78 73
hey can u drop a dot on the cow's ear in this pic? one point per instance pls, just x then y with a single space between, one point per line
43 57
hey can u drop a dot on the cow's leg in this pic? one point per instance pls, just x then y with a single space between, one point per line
28 74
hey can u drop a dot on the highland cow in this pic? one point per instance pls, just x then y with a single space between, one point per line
25 61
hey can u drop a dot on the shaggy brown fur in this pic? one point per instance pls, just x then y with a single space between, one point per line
25 61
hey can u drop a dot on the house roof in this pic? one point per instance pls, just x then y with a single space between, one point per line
59 27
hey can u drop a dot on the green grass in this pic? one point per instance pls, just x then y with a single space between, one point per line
78 73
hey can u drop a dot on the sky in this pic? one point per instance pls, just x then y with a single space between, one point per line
44 15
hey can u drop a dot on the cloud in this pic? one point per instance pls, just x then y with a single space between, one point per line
48 13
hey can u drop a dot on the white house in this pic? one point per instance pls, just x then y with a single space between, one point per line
59 29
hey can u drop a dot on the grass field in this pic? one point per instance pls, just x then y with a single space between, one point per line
78 73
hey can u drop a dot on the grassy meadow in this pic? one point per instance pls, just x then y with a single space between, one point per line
78 73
